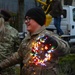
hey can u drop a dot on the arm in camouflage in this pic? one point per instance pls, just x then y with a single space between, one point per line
62 48
8 62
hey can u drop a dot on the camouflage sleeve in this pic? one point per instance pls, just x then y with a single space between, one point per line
14 59
62 48
10 61
17 42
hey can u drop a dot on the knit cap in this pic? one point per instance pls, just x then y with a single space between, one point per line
37 14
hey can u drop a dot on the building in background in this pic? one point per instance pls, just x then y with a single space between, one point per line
12 5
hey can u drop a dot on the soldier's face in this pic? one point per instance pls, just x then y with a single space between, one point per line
31 24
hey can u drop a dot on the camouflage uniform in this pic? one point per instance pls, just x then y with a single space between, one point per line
23 55
7 44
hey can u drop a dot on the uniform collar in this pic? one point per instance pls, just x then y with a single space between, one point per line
6 23
37 32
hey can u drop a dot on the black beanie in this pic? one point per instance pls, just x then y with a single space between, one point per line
37 14
6 15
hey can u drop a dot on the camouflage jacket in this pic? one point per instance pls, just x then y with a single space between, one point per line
8 41
23 55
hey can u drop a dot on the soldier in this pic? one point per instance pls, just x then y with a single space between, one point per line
40 49
9 39
14 33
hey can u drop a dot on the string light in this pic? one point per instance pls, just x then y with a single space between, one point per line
41 50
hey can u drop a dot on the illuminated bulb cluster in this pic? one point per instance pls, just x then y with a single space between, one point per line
41 50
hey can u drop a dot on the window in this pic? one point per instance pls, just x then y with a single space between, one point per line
64 13
74 14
